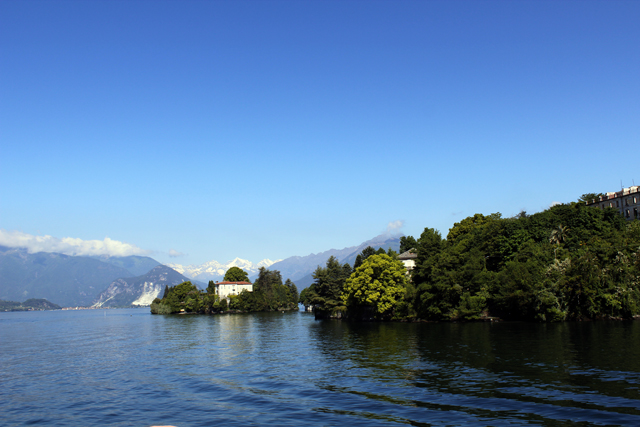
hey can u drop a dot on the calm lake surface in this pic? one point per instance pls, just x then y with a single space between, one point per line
129 368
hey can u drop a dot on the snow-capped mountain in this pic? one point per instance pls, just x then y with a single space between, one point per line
214 270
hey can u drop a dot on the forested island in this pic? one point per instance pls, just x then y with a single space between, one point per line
269 294
31 304
569 262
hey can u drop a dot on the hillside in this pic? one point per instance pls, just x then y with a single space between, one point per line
67 280
140 290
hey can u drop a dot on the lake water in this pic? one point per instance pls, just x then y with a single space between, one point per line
129 368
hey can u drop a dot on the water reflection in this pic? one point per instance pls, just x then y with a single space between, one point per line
125 367
533 372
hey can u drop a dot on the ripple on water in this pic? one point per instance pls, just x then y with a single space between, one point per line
126 367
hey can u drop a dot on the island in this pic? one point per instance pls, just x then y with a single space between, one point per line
32 304
236 294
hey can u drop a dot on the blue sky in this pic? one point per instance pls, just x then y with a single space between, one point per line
267 129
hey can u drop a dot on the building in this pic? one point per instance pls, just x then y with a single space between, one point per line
408 258
224 289
625 201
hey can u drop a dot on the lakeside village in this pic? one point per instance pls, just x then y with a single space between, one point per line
575 261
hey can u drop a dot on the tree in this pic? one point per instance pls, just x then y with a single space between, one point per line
211 287
328 284
588 197
559 234
375 286
236 274
358 262
293 291
367 252
406 243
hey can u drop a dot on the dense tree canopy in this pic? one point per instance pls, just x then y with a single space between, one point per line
568 262
328 284
407 243
375 287
236 274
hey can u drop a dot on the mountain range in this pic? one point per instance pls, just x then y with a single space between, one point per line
135 280
63 279
214 270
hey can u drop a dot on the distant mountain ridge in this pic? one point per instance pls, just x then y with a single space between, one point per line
214 270
136 265
62 279
300 269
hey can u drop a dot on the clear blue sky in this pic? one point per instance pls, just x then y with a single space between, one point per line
266 129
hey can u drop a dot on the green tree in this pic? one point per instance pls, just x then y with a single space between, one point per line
236 274
358 262
407 243
367 252
211 287
293 291
328 284
375 287
308 295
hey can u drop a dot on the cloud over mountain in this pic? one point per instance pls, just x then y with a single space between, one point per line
68 245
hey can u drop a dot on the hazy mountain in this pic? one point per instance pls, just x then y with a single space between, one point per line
140 290
63 279
299 269
213 270
136 265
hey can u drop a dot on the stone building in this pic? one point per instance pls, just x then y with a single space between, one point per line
626 201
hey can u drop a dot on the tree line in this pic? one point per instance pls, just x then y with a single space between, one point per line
567 262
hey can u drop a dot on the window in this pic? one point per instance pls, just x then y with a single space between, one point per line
628 213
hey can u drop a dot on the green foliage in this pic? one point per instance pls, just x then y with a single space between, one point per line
308 295
358 262
236 274
328 284
367 252
269 294
407 243
183 297
568 262
375 287
211 287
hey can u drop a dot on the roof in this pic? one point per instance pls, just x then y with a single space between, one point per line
408 255
234 283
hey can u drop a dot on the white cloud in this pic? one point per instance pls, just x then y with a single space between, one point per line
394 227
175 254
68 245
554 204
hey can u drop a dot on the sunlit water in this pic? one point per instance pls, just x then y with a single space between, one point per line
129 368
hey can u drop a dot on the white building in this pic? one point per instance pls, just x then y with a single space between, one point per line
408 258
626 201
224 289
